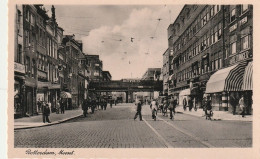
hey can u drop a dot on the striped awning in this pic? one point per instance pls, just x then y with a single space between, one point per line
248 77
65 95
227 79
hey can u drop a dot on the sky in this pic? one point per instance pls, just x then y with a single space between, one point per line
106 30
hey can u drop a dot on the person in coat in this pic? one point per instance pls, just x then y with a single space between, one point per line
171 106
154 108
85 107
242 106
138 110
46 113
93 106
190 103
62 106
165 107
184 104
208 108
58 106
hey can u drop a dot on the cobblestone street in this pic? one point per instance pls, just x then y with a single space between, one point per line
115 128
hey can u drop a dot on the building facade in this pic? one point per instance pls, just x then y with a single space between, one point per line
152 74
205 42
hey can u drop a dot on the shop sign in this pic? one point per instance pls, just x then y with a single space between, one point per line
239 57
243 21
19 67
233 27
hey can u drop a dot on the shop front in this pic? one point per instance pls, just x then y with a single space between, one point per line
225 87
247 87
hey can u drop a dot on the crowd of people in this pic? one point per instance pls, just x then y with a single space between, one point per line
171 102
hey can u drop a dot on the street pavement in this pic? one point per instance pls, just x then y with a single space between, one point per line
116 128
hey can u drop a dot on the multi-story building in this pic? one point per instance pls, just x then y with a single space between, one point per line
165 71
95 66
19 68
204 43
152 74
73 51
106 76
29 13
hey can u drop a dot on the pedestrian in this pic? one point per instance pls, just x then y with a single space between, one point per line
111 102
154 108
138 110
62 106
115 102
93 106
102 104
105 104
58 106
208 108
184 104
85 107
165 107
204 105
171 107
242 106
39 105
46 112
190 103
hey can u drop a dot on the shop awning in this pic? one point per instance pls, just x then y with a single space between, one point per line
248 77
227 79
184 92
65 95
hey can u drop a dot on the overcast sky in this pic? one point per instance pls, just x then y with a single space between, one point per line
106 30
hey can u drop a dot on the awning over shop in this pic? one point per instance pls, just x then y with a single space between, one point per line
65 95
184 92
228 79
248 77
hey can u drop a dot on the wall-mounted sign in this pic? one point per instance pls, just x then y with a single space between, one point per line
243 21
233 27
19 67
239 57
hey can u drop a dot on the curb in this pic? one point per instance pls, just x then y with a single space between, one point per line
54 123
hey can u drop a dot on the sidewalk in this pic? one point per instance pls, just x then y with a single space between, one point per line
218 115
36 121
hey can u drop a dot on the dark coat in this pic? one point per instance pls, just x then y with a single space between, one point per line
139 106
46 110
208 105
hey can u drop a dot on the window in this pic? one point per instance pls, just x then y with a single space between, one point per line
245 42
19 54
27 15
233 15
32 20
27 65
233 48
33 68
244 8
26 38
212 13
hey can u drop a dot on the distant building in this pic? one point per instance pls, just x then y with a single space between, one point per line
152 74
95 67
106 76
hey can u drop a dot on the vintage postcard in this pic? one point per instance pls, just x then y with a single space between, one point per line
132 80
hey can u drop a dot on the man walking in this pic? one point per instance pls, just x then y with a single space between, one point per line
138 110
46 112
62 106
171 107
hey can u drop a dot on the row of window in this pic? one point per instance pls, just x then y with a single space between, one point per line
199 68
243 8
200 21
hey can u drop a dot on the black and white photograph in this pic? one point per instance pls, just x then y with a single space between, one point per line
131 76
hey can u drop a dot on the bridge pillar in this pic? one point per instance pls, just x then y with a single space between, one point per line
126 96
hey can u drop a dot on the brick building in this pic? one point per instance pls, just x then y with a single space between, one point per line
202 38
